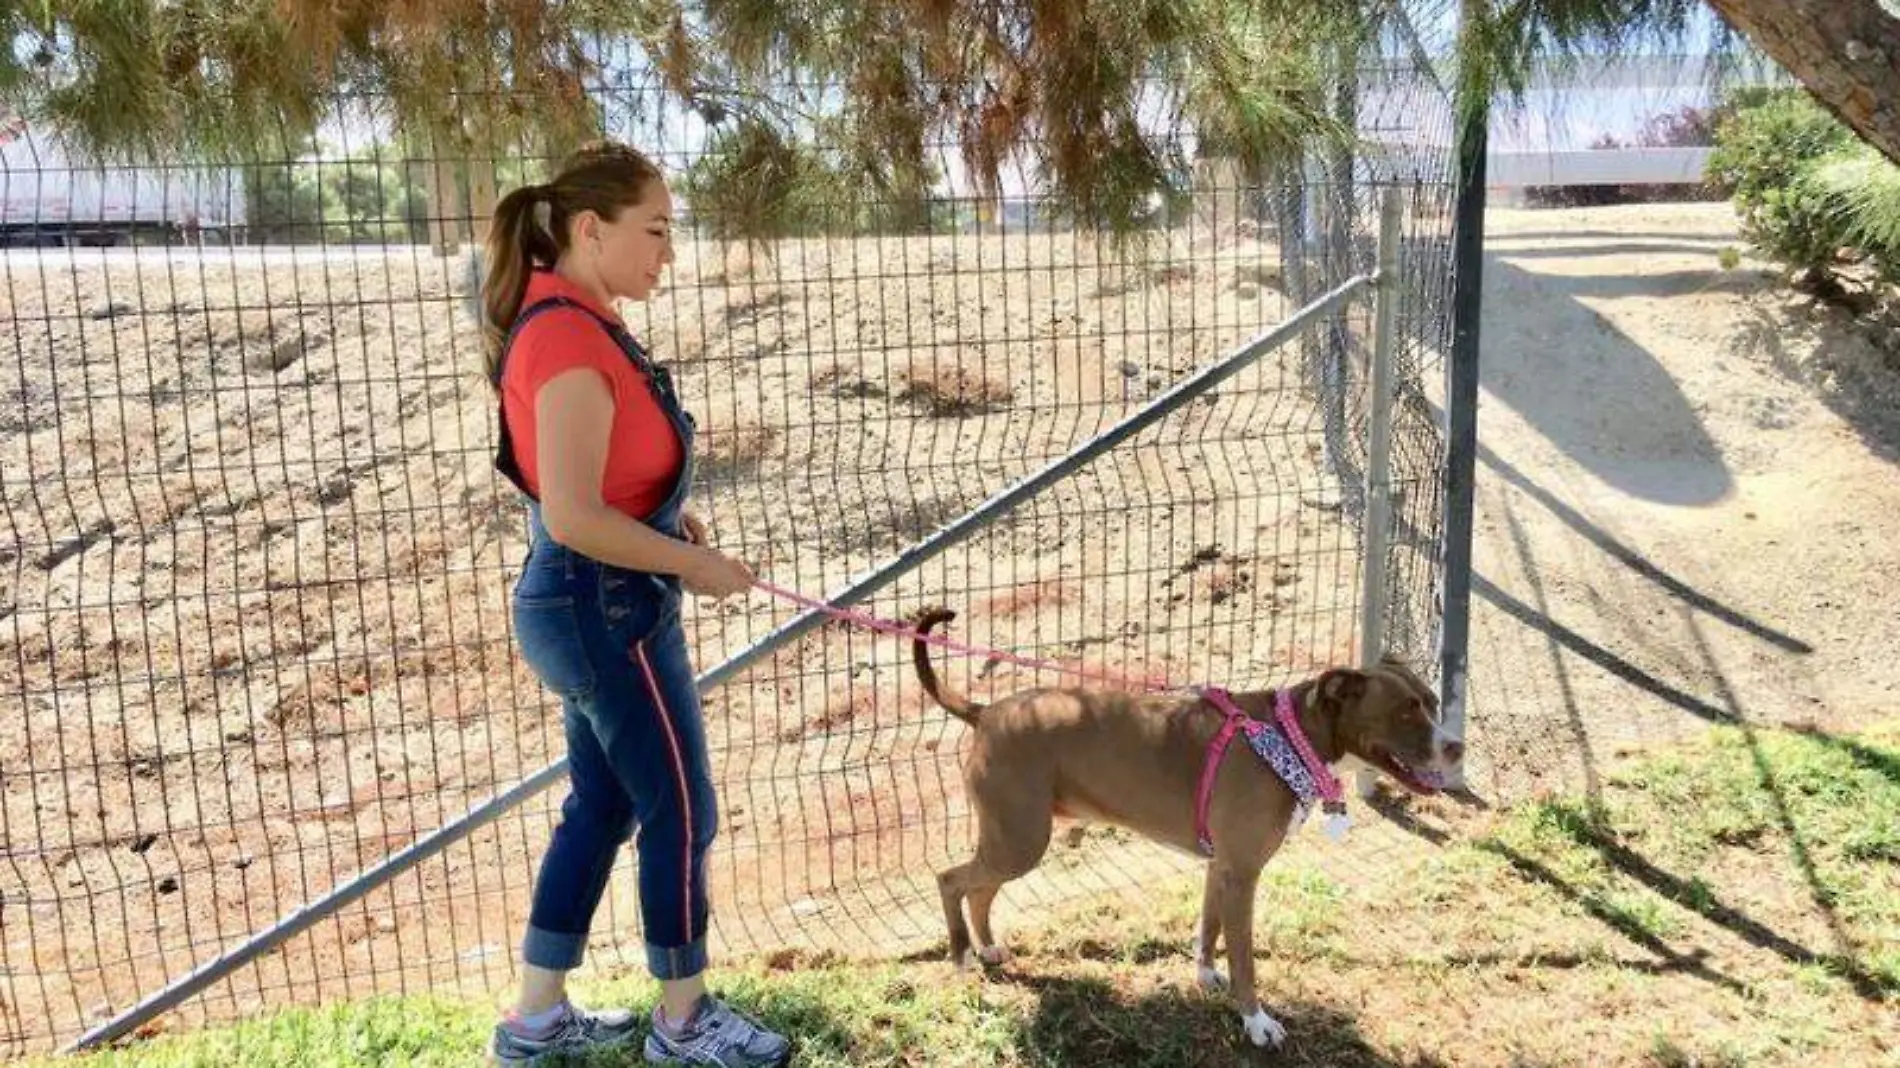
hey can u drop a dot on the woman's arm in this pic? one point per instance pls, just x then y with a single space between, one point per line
574 414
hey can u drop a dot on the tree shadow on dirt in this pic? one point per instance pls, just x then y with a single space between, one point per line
1592 391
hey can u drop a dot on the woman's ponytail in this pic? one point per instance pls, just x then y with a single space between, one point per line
517 244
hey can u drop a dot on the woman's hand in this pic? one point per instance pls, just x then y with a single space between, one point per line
714 574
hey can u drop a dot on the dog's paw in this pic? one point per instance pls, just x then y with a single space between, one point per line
995 955
1212 978
1263 1030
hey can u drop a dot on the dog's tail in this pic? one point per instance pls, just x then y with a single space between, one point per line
961 707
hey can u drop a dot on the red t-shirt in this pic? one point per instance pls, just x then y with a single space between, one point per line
644 453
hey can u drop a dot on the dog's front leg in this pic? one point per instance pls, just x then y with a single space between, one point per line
1210 976
1236 899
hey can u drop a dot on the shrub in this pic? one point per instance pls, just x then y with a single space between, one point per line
1861 190
369 199
1763 153
754 183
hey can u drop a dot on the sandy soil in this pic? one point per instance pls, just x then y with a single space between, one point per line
1688 495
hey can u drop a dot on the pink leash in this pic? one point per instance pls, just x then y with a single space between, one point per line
1330 791
882 626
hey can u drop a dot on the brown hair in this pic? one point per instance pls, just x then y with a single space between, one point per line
602 177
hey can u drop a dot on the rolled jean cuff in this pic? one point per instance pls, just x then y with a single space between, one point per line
668 963
553 950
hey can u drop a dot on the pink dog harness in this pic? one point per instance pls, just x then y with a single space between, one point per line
1285 748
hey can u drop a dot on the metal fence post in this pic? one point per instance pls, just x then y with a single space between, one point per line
1461 392
1379 401
1379 433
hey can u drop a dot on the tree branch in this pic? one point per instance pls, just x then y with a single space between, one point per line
1846 52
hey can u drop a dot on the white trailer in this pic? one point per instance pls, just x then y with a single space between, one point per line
46 199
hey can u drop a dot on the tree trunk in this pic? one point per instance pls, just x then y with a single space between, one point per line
1846 52
446 215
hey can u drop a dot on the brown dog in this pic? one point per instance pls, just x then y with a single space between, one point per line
1136 761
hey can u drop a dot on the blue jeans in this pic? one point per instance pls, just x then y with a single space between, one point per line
608 641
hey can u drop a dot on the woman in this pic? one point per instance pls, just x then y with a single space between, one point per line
593 433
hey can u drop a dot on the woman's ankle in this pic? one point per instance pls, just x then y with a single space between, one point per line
536 1023
680 999
542 990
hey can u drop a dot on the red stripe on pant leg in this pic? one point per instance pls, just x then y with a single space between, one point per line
679 772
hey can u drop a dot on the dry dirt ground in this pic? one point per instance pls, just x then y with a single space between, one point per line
1688 495
256 611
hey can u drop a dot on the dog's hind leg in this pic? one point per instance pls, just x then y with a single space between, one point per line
1014 822
981 898
951 885
978 883
1210 976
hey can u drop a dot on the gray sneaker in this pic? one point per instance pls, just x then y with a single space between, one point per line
719 1037
577 1032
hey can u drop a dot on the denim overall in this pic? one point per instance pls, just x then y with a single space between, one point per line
608 641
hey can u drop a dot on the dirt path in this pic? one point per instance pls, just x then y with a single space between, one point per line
1687 513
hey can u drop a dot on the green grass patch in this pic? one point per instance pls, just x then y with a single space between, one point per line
1751 879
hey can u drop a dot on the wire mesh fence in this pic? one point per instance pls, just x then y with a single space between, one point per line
256 566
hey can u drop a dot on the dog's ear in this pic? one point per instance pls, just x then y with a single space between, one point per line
1343 686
